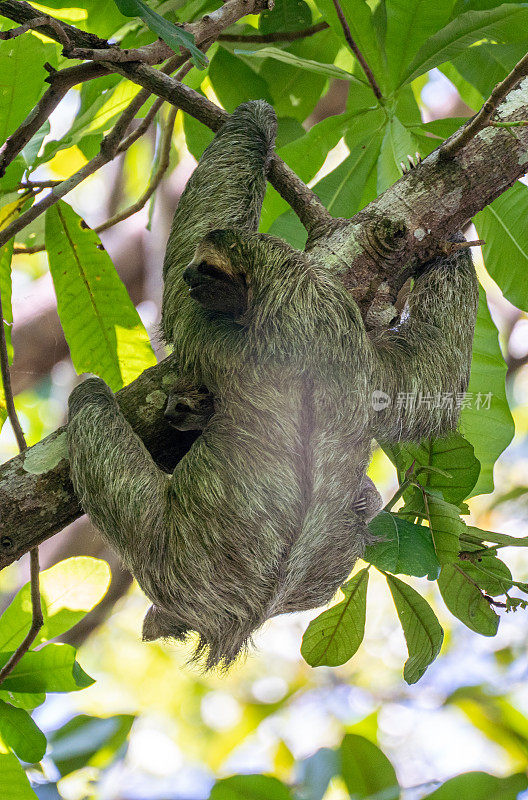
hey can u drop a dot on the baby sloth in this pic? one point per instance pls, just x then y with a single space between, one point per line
268 511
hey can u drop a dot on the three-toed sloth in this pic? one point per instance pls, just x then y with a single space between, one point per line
268 510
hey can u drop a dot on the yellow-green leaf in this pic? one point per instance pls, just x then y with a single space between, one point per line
103 329
335 635
423 633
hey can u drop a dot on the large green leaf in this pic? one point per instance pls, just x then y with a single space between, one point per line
402 547
101 102
490 574
364 31
175 36
22 69
249 85
307 154
410 23
51 669
286 15
14 784
465 600
316 772
334 636
502 225
296 91
366 770
508 22
453 468
101 325
398 143
423 633
250 787
342 189
86 740
20 733
486 419
68 591
328 70
481 786
446 527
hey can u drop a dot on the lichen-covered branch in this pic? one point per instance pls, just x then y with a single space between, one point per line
36 496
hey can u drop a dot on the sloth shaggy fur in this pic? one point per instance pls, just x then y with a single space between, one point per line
268 511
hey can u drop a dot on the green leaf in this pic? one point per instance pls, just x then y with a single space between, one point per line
403 547
342 190
465 601
93 741
286 15
14 783
486 64
454 472
101 325
31 150
26 701
307 154
316 772
173 35
101 103
20 733
508 22
69 590
481 786
23 76
334 636
486 421
295 92
51 669
366 770
364 29
446 528
423 633
329 70
502 225
249 85
490 574
398 143
410 23
250 787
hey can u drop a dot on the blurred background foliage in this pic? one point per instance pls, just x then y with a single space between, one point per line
138 724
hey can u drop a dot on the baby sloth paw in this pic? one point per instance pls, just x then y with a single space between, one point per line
191 411
215 290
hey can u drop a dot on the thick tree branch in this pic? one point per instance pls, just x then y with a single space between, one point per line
36 495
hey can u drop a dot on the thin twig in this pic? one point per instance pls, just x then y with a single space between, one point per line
357 52
37 619
482 119
38 22
276 36
453 247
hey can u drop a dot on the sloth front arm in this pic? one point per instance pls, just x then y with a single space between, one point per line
423 364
